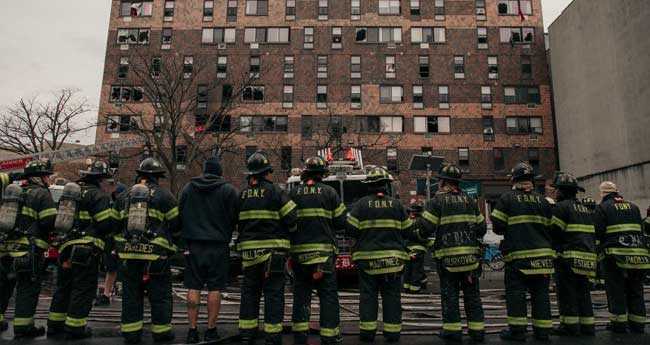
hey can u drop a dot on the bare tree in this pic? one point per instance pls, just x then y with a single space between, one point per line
31 126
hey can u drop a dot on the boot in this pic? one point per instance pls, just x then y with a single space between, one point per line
477 336
541 335
450 336
102 300
638 328
32 332
588 330
192 336
166 336
54 330
300 338
507 334
211 334
273 339
4 326
87 333
617 327
367 336
391 337
331 340
564 330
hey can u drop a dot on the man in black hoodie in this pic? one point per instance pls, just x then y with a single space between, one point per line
208 209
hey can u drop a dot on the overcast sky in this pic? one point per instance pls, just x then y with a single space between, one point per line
52 44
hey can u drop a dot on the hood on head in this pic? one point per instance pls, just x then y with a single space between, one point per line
207 182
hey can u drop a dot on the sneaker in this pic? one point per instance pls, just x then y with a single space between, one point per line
507 334
192 336
455 337
33 332
102 300
211 334
87 333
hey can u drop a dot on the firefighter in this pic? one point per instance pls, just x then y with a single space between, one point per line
598 281
148 224
6 283
379 223
266 216
321 214
524 218
25 234
84 219
646 228
414 277
459 228
623 257
574 240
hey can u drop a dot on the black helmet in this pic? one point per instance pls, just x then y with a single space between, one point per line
151 166
376 175
38 168
568 181
97 169
316 164
522 170
258 164
450 172
589 202
417 207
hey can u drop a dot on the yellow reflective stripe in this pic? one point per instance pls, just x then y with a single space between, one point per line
257 260
103 215
517 321
647 220
525 219
312 247
417 247
4 178
574 254
392 327
580 228
84 215
264 244
587 320
368 325
453 326
558 222
329 332
530 253
2 317
380 223
52 316
259 214
288 207
84 240
162 242
457 251
29 212
538 271
354 222
23 321
138 256
636 318
156 214
407 223
459 218
300 326
627 251
385 270
160 328
314 212
248 324
414 288
131 327
476 325
47 213
480 219
379 254
121 214
272 327
41 244
463 268
500 215
542 323
72 322
623 228
569 320
171 214
618 317
431 218
339 210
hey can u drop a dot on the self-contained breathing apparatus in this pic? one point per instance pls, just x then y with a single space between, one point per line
66 222
137 229
11 207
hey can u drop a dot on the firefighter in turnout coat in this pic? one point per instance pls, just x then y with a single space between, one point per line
415 279
6 283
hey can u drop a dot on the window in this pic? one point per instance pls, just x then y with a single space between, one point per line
463 157
156 66
355 67
222 67
337 37
253 94
524 125
250 150
355 9
127 94
322 9
266 35
427 35
389 7
517 35
390 67
226 93
392 164
254 68
521 95
378 35
533 157
481 13
459 67
443 95
208 9
415 7
218 123
307 126
168 11
231 11
257 7
136 8
355 96
439 9
488 128
288 67
285 158
511 7
202 97
486 97
418 98
526 67
188 66
391 94
122 123
482 38
263 123
321 96
308 38
218 35
287 96
123 68
431 124
133 36
379 124
290 10
321 69
423 61
493 67
166 36
499 161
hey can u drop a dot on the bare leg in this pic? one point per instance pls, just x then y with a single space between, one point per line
193 303
109 283
214 304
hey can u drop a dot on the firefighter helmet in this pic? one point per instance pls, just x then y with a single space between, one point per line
378 174
567 181
97 169
38 168
417 207
316 164
450 172
521 171
151 166
258 164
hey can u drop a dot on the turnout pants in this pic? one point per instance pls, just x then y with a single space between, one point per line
625 298
370 286
155 277
75 291
414 277
329 302
517 284
29 277
7 284
255 283
451 283
574 298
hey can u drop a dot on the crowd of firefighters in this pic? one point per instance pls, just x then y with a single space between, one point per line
569 238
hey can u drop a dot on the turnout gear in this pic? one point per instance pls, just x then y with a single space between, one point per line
145 256
38 168
7 224
152 167
12 202
458 228
316 164
450 172
379 224
266 216
567 181
313 251
377 175
624 258
524 218
414 277
521 171
589 203
258 164
98 169
67 210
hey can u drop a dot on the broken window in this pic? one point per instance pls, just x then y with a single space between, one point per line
517 35
133 36
263 123
512 7
499 161
122 123
226 93
307 126
156 66
285 155
526 67
378 35
136 8
127 94
253 94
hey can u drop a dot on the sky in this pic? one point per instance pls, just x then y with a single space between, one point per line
47 45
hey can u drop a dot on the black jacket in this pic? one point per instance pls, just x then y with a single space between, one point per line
208 209
574 235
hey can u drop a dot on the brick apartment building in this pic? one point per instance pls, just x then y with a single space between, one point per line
463 79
